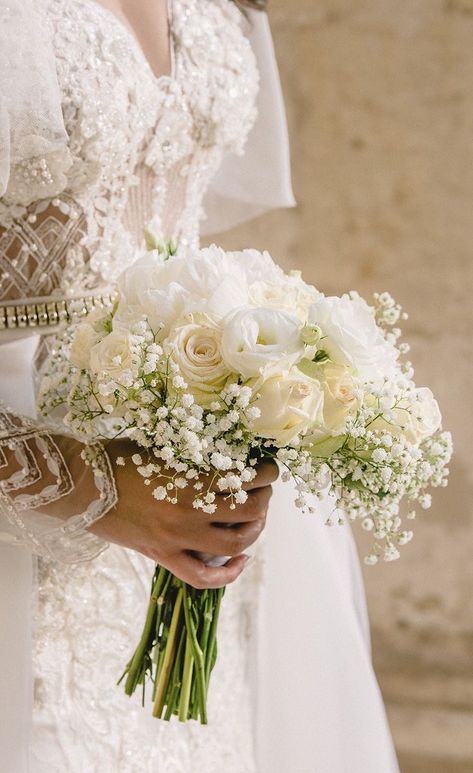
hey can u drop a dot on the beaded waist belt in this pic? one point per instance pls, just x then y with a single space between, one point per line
44 312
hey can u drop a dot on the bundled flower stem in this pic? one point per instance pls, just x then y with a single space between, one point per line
177 649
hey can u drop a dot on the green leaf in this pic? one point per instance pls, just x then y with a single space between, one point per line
327 446
310 368
321 356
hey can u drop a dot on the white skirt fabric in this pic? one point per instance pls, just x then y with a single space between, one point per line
293 690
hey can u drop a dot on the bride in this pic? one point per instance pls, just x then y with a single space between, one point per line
113 113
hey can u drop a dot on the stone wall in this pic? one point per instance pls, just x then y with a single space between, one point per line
380 108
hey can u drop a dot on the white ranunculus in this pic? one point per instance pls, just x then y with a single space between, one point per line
289 403
112 355
196 348
164 289
351 336
84 339
259 341
415 420
340 396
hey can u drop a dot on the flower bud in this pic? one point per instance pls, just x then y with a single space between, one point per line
311 334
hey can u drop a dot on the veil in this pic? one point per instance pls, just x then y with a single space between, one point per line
31 122
32 126
260 179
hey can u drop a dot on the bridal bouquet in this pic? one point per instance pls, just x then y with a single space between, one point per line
211 360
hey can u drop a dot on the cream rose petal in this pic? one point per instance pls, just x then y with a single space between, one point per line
196 349
112 355
289 404
84 339
340 396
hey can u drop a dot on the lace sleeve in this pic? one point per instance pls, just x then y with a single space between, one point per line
49 492
34 156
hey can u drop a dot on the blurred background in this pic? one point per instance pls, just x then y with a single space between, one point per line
380 109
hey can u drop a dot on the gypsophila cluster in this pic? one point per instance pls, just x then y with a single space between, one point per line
210 361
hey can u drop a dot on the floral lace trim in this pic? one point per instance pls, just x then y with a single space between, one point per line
30 456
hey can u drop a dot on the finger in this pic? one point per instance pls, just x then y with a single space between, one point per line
255 505
193 571
227 542
267 472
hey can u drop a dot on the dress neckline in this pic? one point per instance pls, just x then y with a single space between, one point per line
128 31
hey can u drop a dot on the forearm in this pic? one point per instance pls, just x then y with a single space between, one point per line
49 492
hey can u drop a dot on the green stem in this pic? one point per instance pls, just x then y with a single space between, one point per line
159 667
164 611
212 643
163 678
175 683
194 704
207 621
198 658
186 683
134 669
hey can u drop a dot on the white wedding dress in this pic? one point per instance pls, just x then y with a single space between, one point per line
293 690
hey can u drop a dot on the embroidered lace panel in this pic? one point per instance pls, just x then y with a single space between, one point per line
34 473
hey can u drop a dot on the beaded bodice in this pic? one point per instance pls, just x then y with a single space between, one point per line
140 147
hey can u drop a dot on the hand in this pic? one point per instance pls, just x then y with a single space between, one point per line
171 533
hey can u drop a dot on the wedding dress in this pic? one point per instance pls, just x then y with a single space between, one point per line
293 690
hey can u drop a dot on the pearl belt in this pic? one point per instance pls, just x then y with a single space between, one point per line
44 312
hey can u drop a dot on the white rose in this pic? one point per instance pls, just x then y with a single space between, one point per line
112 354
162 289
352 337
258 340
196 348
289 404
148 289
84 339
306 294
258 266
288 294
273 295
417 420
426 417
340 396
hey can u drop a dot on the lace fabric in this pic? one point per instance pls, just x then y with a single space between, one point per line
34 157
35 473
